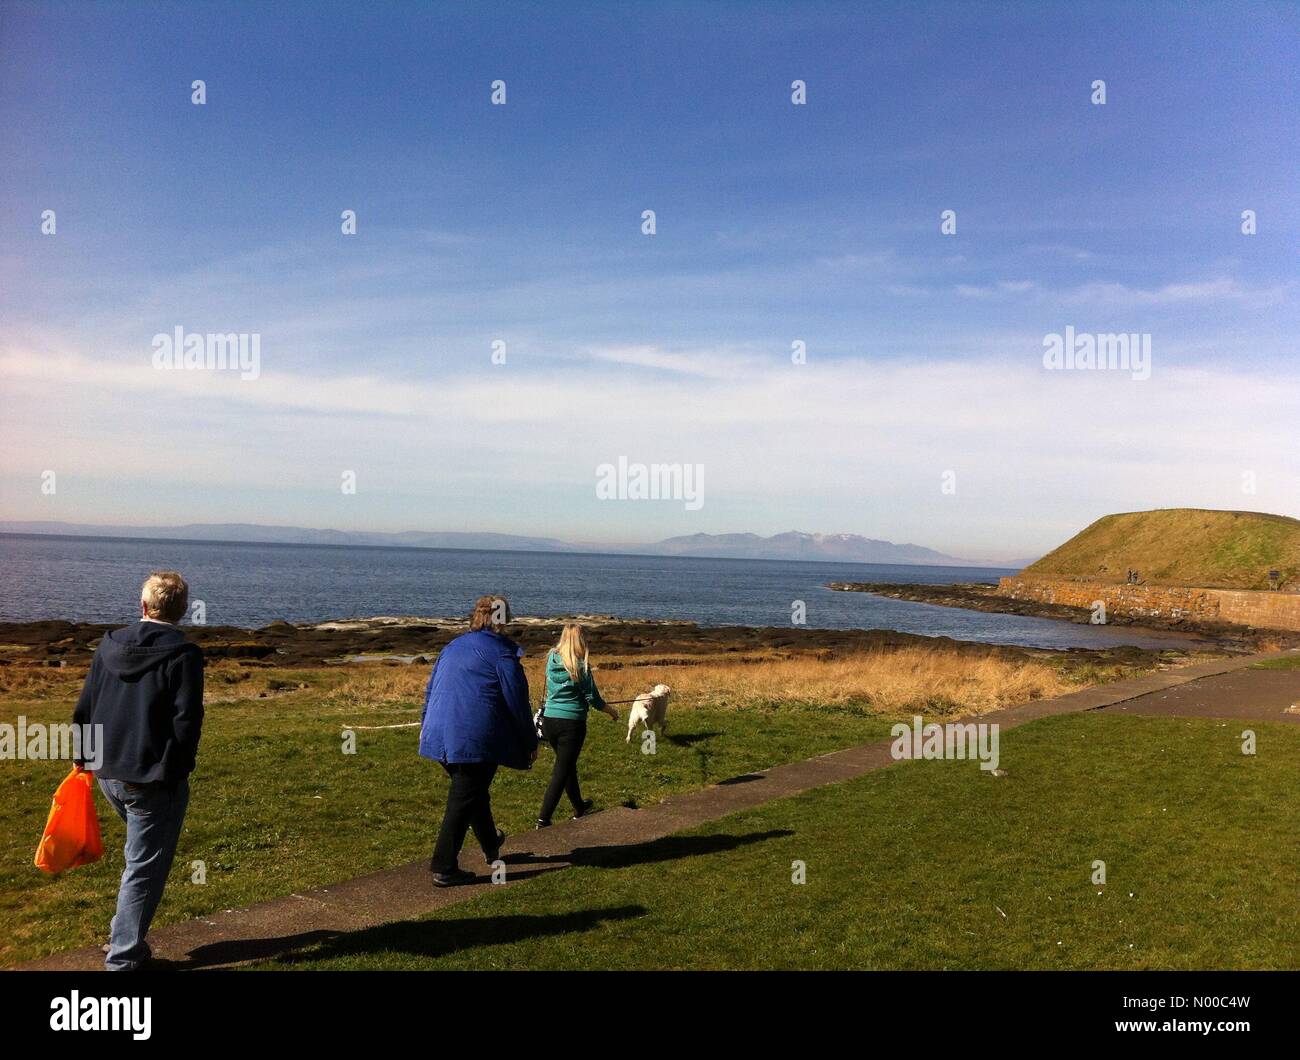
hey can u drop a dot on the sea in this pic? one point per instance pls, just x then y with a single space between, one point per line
97 579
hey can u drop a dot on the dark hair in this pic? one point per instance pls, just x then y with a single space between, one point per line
490 612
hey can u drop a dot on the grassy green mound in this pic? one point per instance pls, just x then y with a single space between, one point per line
1182 546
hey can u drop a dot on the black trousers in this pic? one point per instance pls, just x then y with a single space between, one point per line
566 735
469 805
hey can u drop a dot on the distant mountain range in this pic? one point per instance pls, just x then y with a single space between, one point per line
850 548
795 545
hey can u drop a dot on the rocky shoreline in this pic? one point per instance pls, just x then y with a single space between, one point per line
410 640
977 596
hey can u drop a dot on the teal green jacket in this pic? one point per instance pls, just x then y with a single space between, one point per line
564 697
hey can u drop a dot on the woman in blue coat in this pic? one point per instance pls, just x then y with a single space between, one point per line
476 718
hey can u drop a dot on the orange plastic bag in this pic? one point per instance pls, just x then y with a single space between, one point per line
72 830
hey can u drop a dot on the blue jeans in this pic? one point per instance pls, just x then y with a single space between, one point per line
153 814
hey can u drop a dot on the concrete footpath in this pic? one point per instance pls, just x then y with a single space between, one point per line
1220 689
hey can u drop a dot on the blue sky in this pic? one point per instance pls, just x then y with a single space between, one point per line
775 223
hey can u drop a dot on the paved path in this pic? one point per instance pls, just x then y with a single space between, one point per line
619 836
1243 695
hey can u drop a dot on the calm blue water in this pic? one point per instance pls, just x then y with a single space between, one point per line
98 580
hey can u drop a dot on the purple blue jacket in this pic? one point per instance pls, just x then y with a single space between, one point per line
476 705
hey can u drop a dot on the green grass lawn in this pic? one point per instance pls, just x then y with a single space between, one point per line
931 865
276 806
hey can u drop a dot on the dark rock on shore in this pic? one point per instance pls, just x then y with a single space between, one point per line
416 641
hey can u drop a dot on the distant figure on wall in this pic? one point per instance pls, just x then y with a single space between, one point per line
476 719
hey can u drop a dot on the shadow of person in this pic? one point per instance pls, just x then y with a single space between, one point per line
689 739
236 951
442 936
669 848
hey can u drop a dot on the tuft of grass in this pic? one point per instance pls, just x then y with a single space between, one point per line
1288 662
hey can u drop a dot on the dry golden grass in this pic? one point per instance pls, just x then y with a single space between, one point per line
891 681
883 682
365 687
21 681
886 682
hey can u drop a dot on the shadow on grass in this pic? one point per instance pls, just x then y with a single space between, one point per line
237 951
669 848
441 937
689 739
438 938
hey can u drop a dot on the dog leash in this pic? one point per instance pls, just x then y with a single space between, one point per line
412 724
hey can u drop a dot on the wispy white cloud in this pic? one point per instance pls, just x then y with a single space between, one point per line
1002 287
1222 289
709 364
1107 293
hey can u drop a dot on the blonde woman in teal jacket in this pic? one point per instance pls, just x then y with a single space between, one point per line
570 693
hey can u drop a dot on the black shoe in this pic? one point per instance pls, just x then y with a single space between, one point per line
492 855
543 824
587 806
454 878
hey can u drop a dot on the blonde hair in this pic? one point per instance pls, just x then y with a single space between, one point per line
490 612
572 650
165 595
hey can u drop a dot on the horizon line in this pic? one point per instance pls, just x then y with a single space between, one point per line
594 551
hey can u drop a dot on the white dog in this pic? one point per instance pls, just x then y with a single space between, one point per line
651 710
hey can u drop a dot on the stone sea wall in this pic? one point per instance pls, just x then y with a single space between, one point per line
1262 610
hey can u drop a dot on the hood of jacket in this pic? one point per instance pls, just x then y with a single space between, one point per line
133 650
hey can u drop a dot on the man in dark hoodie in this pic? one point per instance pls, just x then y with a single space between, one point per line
145 692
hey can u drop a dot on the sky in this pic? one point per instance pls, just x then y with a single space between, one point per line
922 410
